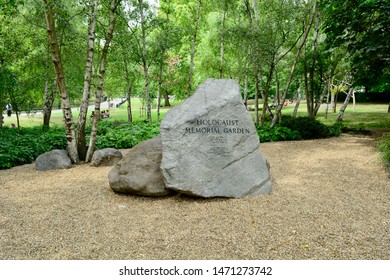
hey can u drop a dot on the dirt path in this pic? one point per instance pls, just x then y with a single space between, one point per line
330 200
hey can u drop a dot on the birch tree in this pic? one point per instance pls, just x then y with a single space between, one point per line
279 107
99 94
65 101
193 48
340 115
82 119
145 61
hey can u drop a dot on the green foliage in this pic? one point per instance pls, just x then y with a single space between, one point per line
363 28
278 133
24 147
300 128
309 127
125 135
384 148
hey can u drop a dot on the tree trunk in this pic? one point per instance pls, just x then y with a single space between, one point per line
166 99
249 54
81 136
342 109
280 106
246 86
310 100
256 75
266 95
222 50
65 102
308 97
319 101
128 92
277 87
332 102
327 97
16 109
297 102
160 78
145 63
48 102
99 93
128 98
192 63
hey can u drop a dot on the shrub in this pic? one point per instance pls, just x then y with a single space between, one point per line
126 135
308 127
278 133
26 146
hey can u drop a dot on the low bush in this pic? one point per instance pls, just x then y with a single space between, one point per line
278 133
310 128
126 135
25 146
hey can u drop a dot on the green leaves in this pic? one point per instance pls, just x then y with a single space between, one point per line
125 136
362 26
277 133
24 147
300 128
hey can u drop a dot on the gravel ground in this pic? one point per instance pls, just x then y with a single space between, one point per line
330 200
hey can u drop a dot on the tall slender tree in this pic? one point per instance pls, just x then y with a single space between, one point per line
279 107
65 101
82 119
193 48
99 93
145 61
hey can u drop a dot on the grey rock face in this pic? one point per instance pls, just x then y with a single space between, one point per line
211 147
139 171
106 157
56 159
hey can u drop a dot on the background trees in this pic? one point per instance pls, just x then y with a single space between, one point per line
167 47
362 27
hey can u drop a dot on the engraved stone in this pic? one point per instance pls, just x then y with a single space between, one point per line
211 147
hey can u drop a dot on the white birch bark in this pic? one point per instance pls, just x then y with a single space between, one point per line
344 106
99 95
193 48
65 101
81 137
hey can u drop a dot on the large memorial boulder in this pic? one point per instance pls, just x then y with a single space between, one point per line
56 159
211 147
139 171
106 157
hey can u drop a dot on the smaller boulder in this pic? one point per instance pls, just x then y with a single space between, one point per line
139 171
56 159
106 157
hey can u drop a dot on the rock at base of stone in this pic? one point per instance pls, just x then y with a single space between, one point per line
106 157
139 171
211 146
56 159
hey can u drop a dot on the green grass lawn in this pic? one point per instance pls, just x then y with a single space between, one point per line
116 115
365 115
